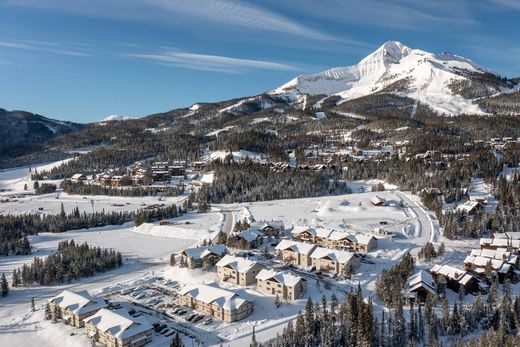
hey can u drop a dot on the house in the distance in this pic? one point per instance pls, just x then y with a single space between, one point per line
470 207
270 228
74 307
105 179
378 201
303 233
334 261
502 262
296 253
78 178
216 302
283 284
420 286
204 255
500 244
455 278
250 239
118 329
238 270
121 180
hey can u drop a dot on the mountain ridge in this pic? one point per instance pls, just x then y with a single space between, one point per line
439 80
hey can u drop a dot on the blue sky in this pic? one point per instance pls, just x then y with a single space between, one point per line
81 60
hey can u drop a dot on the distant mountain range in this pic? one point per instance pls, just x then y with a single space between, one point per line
22 129
395 81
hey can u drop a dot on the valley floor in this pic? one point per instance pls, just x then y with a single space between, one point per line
146 251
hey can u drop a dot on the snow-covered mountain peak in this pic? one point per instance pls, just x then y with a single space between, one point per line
439 80
390 52
114 118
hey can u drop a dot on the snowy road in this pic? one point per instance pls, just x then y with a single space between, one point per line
428 230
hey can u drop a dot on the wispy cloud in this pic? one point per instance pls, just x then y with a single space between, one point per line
42 46
208 62
509 4
239 13
233 13
396 14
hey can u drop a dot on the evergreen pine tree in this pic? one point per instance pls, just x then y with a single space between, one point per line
4 285
15 279
177 342
48 314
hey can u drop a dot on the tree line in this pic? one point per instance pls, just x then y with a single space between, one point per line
96 189
250 181
71 261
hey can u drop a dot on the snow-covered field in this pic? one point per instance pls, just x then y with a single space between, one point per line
146 250
51 203
13 180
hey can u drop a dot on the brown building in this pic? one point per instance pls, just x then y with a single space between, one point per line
303 233
335 239
205 255
238 270
216 302
105 179
296 253
420 286
283 284
78 178
118 329
270 228
74 307
455 278
334 261
120 181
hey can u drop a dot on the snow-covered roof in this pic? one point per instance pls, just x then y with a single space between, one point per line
421 279
342 257
298 247
275 224
361 239
298 229
466 278
479 261
209 294
77 176
78 302
512 235
241 265
468 206
376 200
448 271
421 276
495 254
500 242
201 252
118 323
283 277
250 235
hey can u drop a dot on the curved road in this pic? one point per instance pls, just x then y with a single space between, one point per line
428 232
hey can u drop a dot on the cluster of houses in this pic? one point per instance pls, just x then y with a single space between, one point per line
253 237
110 327
163 171
227 305
498 256
497 143
323 249
335 239
137 175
